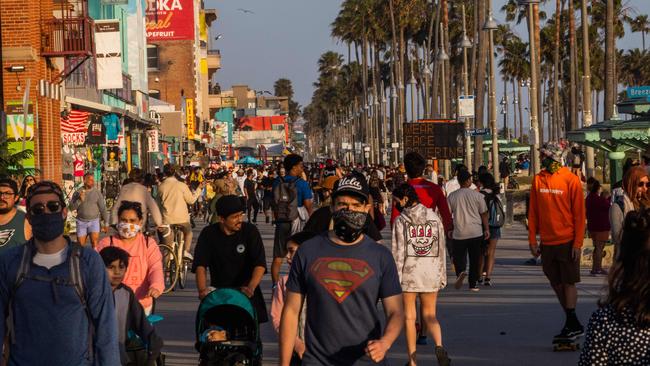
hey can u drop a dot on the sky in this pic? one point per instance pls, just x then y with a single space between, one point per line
284 38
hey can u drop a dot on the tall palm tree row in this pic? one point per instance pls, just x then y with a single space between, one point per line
395 46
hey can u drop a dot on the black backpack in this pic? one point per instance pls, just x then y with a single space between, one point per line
285 196
75 280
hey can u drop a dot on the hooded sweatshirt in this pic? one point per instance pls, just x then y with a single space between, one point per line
418 247
557 209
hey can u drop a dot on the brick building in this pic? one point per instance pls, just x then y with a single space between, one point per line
21 48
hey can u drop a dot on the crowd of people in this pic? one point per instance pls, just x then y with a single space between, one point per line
89 299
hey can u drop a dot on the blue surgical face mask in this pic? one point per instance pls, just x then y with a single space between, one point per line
47 226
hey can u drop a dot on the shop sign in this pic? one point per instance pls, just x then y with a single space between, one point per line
169 20
108 48
189 115
19 132
152 141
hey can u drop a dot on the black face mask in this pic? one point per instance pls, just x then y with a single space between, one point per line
349 225
48 226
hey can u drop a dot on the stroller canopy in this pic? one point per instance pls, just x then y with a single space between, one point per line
221 297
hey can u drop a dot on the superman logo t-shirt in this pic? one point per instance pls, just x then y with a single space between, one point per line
342 286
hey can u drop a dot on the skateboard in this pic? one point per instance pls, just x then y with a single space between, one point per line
561 344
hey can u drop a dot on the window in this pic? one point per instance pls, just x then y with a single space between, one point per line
154 93
152 57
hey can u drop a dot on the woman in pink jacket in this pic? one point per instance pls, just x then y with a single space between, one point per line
145 273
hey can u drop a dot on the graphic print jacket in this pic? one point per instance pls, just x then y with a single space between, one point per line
418 247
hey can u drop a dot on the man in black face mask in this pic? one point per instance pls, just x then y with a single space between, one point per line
54 294
343 273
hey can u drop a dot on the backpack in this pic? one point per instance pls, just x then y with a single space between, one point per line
497 216
75 280
285 196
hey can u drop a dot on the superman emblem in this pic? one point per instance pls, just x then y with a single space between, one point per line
341 276
5 236
422 240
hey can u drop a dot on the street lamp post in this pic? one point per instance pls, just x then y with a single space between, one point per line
504 111
393 130
534 126
586 87
490 26
442 59
465 45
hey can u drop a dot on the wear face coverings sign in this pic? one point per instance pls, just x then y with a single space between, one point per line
109 54
169 20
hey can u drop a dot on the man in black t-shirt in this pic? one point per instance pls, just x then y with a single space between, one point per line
234 252
252 204
343 274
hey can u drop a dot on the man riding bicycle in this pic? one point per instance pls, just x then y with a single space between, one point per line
174 197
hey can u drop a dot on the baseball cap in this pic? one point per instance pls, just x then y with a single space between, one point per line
352 184
228 205
45 187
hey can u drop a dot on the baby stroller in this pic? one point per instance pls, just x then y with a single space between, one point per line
227 330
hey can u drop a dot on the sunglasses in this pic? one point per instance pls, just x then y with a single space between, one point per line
7 194
646 184
39 208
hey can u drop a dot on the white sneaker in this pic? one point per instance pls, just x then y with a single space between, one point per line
188 255
460 280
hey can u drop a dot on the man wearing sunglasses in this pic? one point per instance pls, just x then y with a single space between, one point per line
14 229
56 305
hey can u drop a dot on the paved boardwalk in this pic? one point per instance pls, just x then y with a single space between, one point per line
511 323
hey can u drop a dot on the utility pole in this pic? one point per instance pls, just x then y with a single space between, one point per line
468 139
534 82
490 26
586 86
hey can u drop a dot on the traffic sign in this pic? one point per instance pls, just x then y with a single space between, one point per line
466 106
478 132
638 91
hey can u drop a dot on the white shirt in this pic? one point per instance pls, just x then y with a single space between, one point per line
452 185
50 260
240 182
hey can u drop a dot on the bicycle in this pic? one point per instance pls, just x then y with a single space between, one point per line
174 269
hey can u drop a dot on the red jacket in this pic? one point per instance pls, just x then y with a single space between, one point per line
431 196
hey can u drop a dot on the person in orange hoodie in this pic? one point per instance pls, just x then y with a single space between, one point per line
557 214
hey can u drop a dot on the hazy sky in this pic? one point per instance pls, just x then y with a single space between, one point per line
284 38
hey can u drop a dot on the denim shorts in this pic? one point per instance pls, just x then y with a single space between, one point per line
86 227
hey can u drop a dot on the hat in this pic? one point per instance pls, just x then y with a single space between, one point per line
552 150
329 182
228 205
353 184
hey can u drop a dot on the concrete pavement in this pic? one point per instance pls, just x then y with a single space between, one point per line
510 323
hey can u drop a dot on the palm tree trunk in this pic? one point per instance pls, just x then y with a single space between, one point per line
445 25
538 59
556 75
480 85
610 61
573 101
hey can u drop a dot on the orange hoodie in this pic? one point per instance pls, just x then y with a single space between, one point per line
556 209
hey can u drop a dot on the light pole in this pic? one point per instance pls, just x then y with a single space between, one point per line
442 57
412 83
504 111
534 126
586 87
490 26
393 130
465 45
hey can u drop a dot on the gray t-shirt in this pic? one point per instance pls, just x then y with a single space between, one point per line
342 285
92 207
466 206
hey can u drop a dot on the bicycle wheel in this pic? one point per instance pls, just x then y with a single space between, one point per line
182 278
170 267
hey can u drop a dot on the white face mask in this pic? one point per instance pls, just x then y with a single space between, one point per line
127 230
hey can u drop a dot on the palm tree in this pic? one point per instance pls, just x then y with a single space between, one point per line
11 160
514 66
641 24
635 67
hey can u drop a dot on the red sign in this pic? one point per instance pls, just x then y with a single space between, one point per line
170 20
